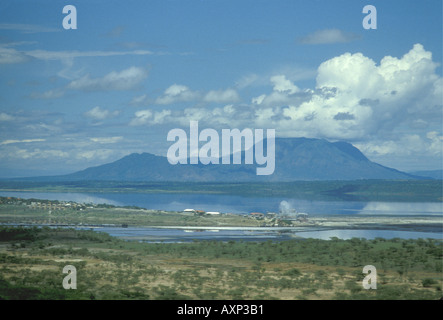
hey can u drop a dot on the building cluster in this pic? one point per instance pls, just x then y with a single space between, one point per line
201 212
45 204
56 205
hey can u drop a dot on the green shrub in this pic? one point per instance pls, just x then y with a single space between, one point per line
292 272
428 282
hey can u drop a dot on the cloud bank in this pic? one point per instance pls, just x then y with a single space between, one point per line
354 99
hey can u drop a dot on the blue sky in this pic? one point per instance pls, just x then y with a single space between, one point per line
133 70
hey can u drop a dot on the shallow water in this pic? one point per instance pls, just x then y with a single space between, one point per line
254 234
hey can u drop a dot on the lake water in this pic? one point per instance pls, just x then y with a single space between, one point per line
255 234
189 234
239 205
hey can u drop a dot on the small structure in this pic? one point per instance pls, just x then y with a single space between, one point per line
189 210
257 214
213 213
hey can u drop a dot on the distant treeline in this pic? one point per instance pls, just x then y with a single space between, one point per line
353 190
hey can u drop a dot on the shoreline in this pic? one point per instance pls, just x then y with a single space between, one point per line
328 227
135 222
397 222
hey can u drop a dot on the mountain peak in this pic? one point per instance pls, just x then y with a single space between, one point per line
295 159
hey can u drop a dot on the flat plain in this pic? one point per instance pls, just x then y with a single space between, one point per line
32 259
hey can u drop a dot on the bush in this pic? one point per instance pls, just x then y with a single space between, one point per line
292 272
428 282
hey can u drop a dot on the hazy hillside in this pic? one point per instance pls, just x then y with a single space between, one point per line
434 174
295 159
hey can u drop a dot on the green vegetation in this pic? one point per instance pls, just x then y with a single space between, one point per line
357 190
32 259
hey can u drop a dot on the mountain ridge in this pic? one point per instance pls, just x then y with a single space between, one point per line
295 159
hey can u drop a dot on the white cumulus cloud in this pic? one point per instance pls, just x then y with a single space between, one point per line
281 84
222 96
147 116
98 113
355 97
177 93
115 80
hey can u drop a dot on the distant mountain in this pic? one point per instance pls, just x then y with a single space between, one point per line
318 159
434 174
295 159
